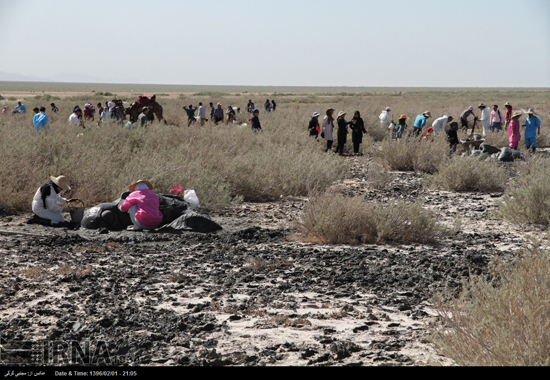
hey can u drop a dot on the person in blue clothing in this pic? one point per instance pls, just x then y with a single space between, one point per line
420 122
532 129
190 114
267 106
256 120
41 121
20 108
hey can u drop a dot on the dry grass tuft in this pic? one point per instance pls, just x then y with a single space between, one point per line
502 321
469 174
332 218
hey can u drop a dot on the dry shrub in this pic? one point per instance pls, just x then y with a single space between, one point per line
332 218
377 176
223 163
415 155
527 200
502 321
469 174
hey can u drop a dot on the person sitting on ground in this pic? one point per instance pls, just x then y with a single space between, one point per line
439 124
142 204
190 111
41 121
313 127
532 129
76 117
142 118
5 110
47 200
54 108
256 120
420 122
464 118
452 136
20 108
401 126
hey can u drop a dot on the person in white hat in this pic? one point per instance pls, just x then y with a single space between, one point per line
485 119
342 132
385 118
143 206
47 201
313 126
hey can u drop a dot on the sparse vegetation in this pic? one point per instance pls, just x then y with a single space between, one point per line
502 320
469 174
332 218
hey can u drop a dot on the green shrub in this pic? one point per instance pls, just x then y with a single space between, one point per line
500 321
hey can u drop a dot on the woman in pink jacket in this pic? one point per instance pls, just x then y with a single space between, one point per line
143 206
513 130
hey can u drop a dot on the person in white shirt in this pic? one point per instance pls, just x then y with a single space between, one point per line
47 200
385 118
485 118
202 114
439 124
76 118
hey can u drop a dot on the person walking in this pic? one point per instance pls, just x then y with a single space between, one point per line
485 119
357 131
401 126
532 129
342 132
202 114
328 127
256 120
513 130
385 118
508 115
230 115
41 121
212 109
267 106
273 105
452 137
54 108
190 114
496 119
218 114
313 126
250 106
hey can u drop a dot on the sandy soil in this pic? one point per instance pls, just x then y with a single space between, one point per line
250 295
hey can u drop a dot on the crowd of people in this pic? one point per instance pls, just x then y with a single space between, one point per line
490 121
332 125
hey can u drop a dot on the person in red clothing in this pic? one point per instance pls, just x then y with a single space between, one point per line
143 206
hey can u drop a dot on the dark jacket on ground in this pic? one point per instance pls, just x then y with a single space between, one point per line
357 130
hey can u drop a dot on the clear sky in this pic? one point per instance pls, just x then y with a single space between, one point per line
381 43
